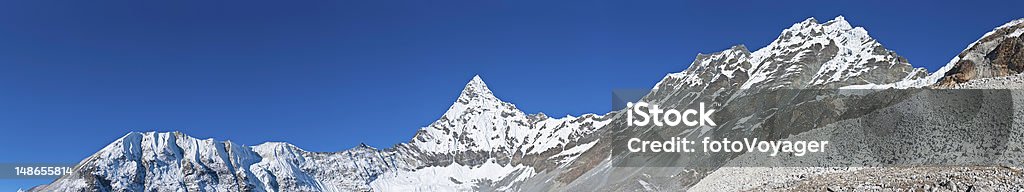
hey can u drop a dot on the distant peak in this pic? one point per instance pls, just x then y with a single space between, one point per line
476 88
812 20
476 80
839 18
809 20
739 47
364 146
839 22
810 24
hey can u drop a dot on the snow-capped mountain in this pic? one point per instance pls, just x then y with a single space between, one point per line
177 162
480 122
480 138
808 54
826 55
788 92
482 143
705 69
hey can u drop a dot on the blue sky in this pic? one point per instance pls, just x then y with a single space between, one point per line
327 75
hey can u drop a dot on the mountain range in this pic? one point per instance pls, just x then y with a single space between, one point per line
485 144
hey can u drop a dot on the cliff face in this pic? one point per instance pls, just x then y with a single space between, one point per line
998 53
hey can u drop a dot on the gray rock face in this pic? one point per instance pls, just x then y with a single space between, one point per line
963 136
779 97
483 143
998 53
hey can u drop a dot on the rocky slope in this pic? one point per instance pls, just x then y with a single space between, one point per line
758 94
963 72
483 143
998 53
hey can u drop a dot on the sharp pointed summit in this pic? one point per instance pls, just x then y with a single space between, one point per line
476 89
476 80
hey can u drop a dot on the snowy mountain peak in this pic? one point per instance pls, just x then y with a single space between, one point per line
811 25
839 18
806 22
729 59
173 161
738 49
365 146
480 122
829 54
839 22
477 121
706 68
833 28
476 89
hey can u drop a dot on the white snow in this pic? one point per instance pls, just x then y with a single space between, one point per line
453 177
479 121
856 50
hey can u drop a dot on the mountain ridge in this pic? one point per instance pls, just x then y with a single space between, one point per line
484 143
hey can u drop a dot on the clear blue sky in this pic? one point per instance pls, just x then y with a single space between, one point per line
327 75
